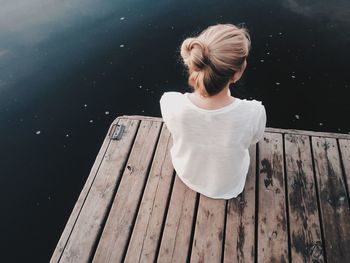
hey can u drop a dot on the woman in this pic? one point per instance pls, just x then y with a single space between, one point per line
211 129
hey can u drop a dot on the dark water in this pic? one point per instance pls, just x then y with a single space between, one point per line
68 68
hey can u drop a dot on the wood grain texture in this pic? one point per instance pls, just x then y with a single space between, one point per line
152 211
240 220
118 228
333 199
83 194
134 208
175 242
209 230
306 239
272 225
309 133
267 129
88 225
345 158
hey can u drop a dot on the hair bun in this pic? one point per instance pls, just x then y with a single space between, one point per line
195 53
214 56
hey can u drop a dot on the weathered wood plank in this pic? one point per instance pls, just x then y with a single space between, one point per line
306 238
146 233
333 200
84 192
240 220
345 152
209 230
83 229
141 117
309 133
272 226
175 242
267 129
118 226
88 225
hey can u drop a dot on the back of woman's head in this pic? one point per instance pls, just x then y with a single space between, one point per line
214 56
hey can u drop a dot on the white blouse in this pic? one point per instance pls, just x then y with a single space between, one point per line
210 147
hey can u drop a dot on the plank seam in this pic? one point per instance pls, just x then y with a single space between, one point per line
109 206
177 227
194 220
148 170
256 219
286 197
318 201
155 195
343 171
93 180
224 234
165 216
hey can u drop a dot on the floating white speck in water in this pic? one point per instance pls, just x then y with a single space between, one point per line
121 45
122 18
143 111
267 53
67 135
140 86
270 35
91 121
106 112
296 116
85 105
38 132
261 60
293 77
172 27
280 33
277 83
49 197
320 124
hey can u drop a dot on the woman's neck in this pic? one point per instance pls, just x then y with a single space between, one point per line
219 100
222 95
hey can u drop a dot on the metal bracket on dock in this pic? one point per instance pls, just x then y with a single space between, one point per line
118 132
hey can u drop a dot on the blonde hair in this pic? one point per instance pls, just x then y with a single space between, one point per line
214 56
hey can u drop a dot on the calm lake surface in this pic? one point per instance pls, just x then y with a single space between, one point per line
69 68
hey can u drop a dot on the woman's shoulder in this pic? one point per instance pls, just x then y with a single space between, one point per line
252 102
252 105
252 108
171 94
171 98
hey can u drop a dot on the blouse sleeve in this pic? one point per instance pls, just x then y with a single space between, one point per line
259 124
165 109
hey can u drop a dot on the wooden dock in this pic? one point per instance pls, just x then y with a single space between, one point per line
133 207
